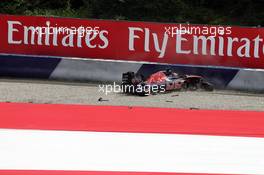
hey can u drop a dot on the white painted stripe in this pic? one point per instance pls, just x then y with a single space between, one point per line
248 79
92 70
106 151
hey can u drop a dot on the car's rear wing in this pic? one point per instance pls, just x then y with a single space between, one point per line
127 77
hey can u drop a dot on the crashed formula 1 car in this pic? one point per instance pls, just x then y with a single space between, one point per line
162 81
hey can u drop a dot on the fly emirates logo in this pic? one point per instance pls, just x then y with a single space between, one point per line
196 44
56 36
140 40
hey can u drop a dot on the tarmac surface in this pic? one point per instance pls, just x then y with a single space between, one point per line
55 92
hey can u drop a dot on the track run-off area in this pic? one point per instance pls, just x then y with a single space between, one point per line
55 92
61 128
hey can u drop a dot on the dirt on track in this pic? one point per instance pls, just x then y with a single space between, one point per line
38 91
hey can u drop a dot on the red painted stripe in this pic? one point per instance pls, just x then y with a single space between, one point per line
127 119
41 172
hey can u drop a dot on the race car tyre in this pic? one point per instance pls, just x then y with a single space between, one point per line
207 87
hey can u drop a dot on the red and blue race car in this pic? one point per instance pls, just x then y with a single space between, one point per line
162 81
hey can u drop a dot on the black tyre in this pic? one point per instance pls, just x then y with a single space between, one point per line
207 86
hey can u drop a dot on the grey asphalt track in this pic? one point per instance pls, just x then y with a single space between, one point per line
54 92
